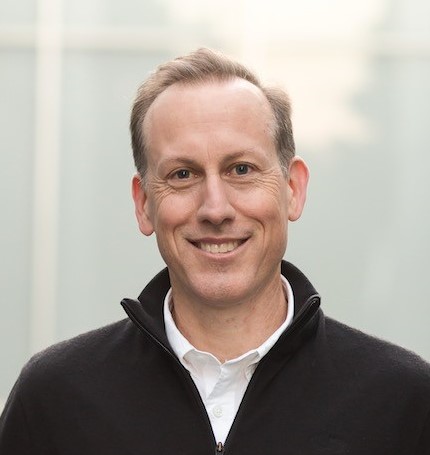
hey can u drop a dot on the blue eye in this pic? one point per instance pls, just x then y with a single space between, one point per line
241 169
182 174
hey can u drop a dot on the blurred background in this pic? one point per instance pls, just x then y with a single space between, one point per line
359 77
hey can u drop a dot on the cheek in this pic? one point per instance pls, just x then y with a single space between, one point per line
264 205
172 212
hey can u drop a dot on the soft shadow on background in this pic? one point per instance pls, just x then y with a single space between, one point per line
358 76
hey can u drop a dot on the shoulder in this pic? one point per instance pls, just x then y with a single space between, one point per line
87 353
79 346
359 352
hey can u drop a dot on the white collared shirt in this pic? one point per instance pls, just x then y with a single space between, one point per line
221 385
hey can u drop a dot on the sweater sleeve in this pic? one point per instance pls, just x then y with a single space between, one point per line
424 441
14 431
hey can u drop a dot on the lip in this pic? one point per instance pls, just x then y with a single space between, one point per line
218 247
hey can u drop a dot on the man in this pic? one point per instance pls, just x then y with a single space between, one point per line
225 351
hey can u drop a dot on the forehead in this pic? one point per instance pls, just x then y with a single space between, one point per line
232 102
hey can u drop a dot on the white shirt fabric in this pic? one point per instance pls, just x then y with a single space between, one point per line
221 385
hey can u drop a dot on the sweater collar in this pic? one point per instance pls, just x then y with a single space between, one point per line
147 311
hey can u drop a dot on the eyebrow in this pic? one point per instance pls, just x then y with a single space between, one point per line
183 160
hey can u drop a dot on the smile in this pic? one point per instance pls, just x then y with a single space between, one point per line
217 248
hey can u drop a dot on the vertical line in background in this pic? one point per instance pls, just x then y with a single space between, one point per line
46 174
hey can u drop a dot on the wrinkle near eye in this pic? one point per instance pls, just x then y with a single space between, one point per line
270 181
160 189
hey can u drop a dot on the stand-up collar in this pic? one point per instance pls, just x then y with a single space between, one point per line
147 311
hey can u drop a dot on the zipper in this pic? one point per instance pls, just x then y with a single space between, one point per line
308 307
307 312
183 371
219 448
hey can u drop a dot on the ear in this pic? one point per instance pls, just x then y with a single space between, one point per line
141 208
298 176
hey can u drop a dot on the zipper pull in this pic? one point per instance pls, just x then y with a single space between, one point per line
219 448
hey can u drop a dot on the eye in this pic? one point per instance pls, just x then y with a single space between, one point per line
182 174
241 169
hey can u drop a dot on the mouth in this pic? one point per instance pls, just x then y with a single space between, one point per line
219 247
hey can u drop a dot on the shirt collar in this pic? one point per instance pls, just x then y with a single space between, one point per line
181 346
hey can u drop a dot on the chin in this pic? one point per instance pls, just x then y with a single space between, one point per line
222 292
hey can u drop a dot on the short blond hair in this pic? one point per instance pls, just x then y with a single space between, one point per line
205 65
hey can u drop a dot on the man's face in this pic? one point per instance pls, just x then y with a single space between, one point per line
215 194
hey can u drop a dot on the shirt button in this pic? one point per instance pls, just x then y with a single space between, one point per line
217 411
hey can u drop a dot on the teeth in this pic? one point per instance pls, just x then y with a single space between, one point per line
219 247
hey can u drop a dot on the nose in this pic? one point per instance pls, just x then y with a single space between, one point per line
215 205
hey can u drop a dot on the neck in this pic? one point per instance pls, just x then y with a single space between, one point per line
229 331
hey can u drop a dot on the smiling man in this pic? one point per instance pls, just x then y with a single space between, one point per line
219 201
226 350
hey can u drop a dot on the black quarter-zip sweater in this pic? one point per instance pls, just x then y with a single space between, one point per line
324 388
